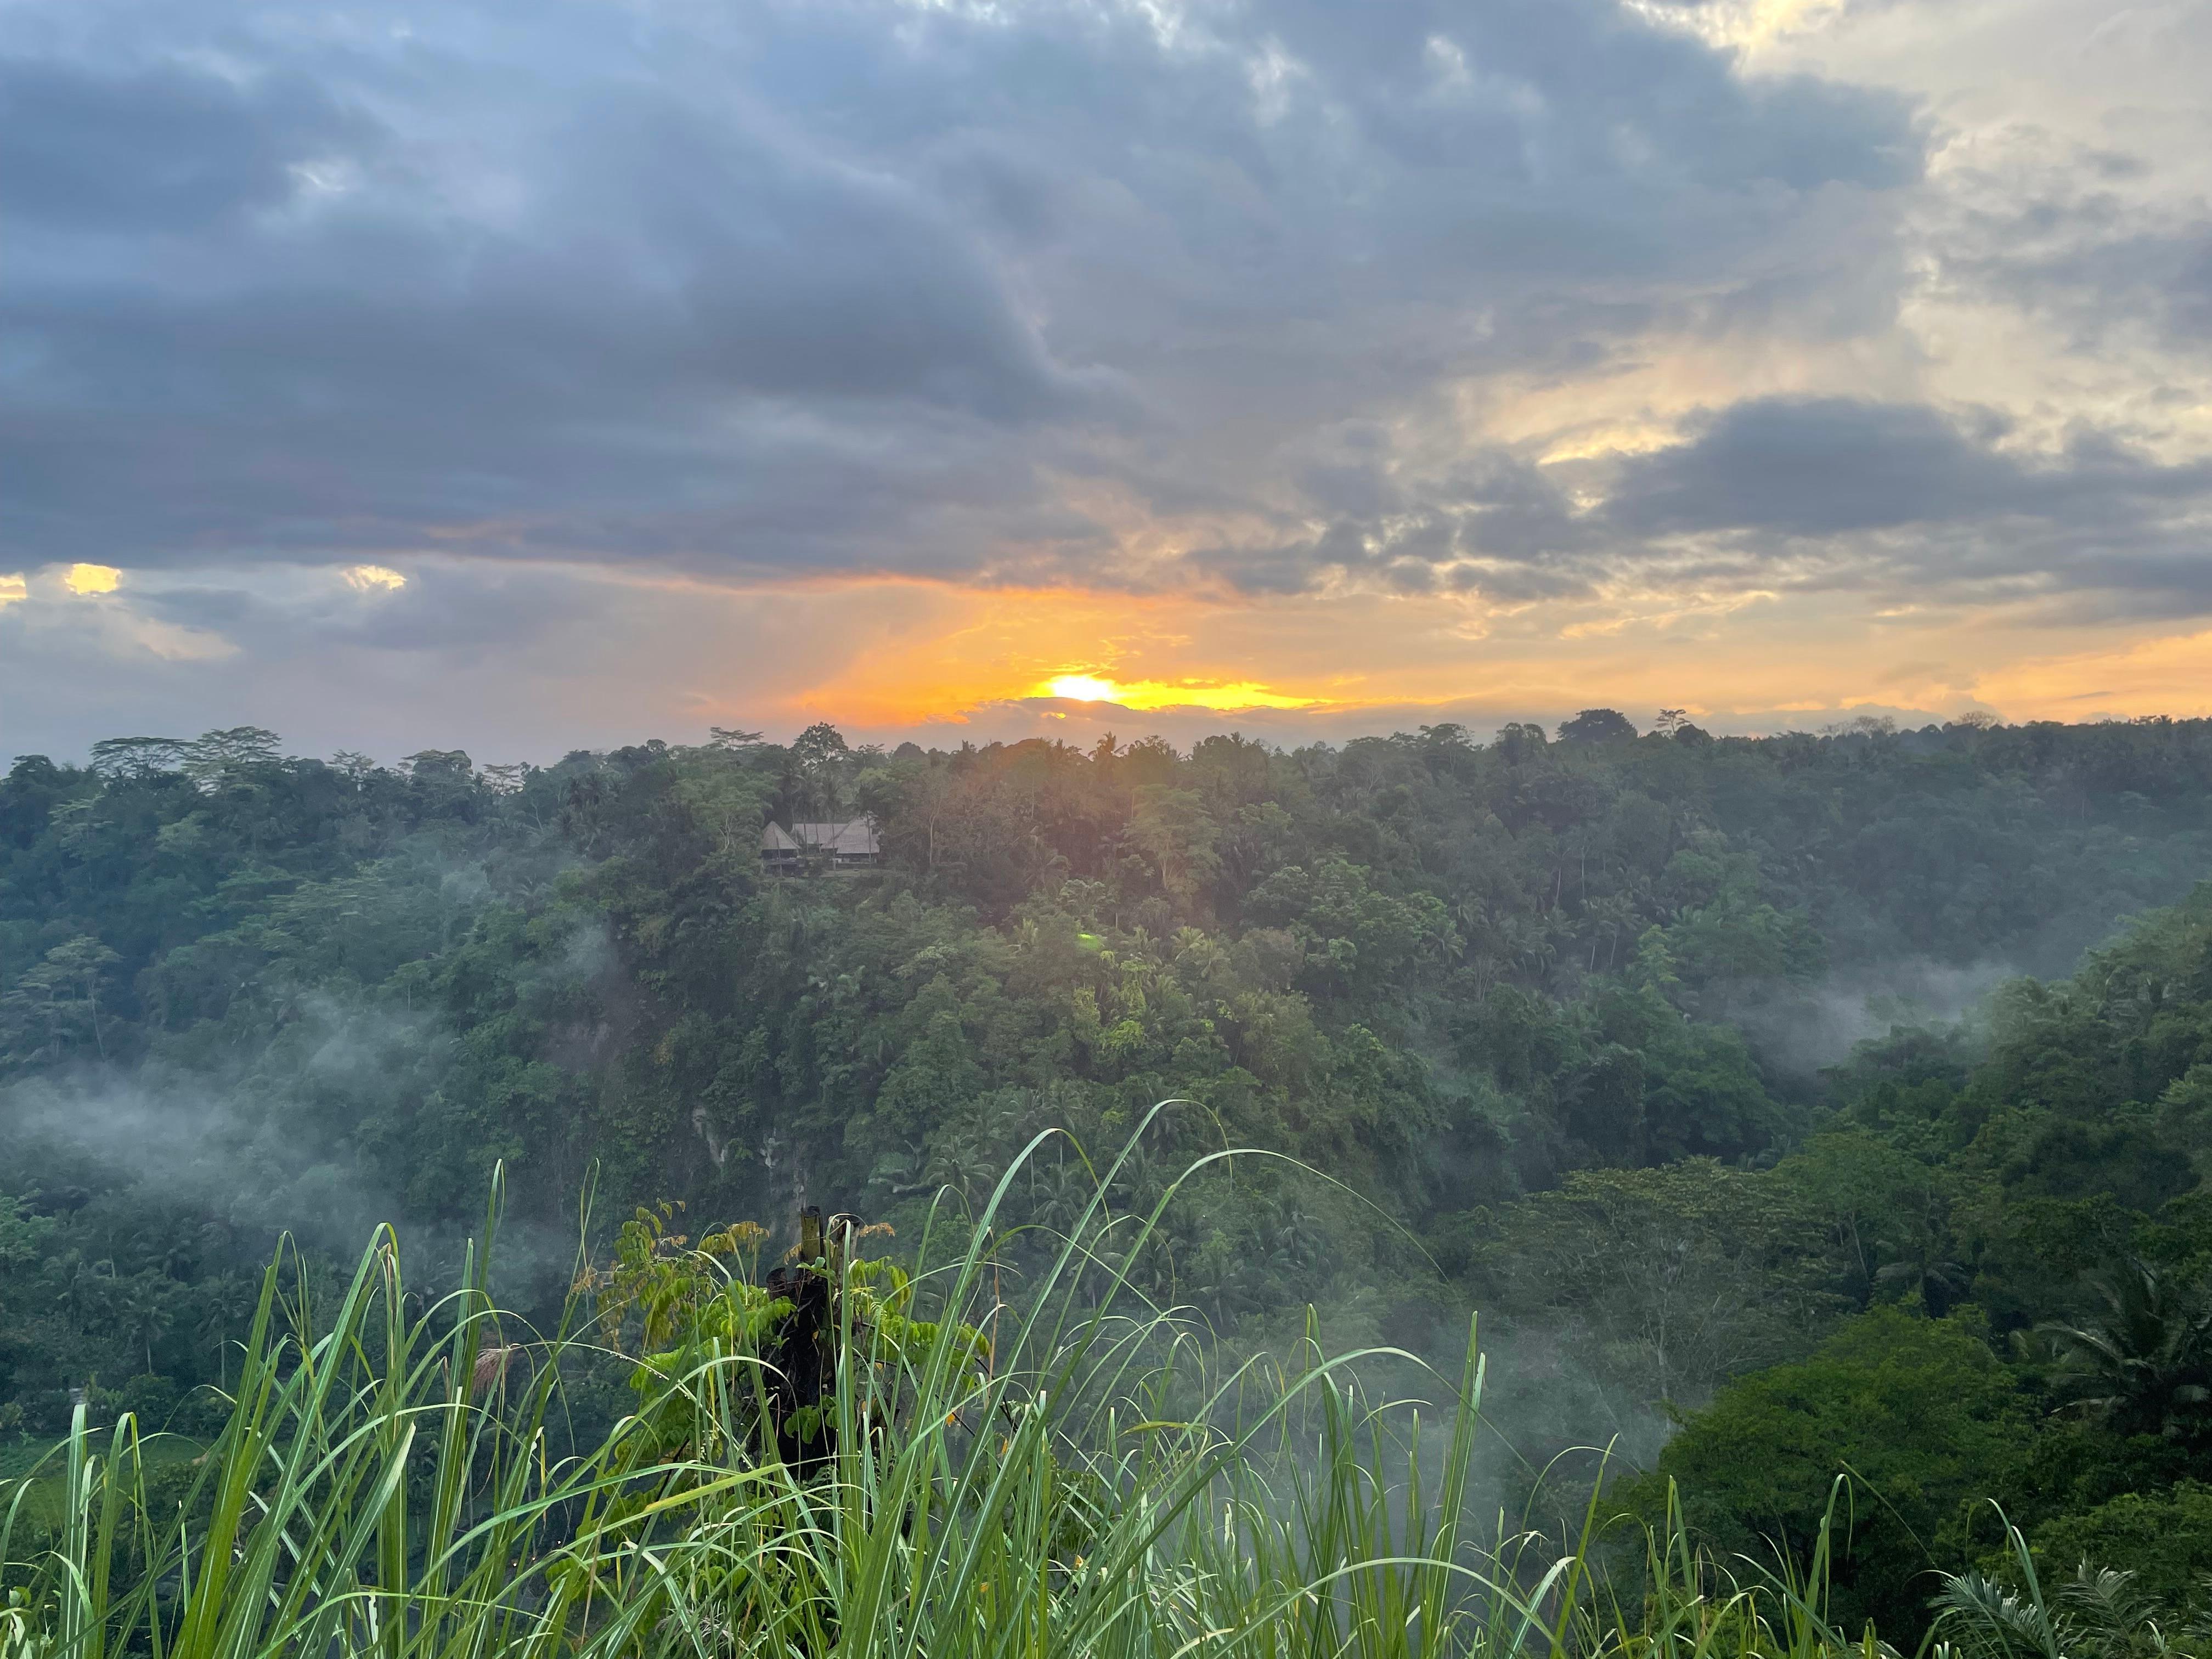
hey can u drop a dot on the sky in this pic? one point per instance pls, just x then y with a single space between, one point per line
523 377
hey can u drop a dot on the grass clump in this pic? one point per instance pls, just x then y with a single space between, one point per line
844 1456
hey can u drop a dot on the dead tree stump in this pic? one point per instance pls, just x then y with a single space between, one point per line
802 1384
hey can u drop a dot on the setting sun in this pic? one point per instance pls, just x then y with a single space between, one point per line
1160 694
1083 688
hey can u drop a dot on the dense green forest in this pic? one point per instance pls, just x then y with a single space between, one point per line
1785 1105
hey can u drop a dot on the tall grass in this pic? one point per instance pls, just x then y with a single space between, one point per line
392 1481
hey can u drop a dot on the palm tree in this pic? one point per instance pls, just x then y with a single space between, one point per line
2098 1613
2144 1362
214 1323
1059 1194
1924 1269
146 1312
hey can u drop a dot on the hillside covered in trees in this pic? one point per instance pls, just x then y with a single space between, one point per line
1759 1092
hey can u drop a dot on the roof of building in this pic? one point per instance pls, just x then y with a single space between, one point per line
854 838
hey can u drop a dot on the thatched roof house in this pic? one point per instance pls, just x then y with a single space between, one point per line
852 841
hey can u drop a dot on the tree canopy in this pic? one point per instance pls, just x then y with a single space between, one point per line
1611 1035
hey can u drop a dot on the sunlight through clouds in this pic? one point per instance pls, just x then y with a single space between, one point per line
90 579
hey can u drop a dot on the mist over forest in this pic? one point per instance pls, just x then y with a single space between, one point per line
1783 1105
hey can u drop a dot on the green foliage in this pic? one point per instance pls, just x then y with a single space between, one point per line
2102 1612
381 1485
1671 1281
1534 1005
2163 1539
1919 1412
385 1481
1598 725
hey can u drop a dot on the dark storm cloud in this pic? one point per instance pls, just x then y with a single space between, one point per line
1824 466
1806 493
608 378
860 288
441 607
165 147
829 287
1845 477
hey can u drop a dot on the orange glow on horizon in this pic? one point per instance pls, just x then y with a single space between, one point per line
907 654
2169 674
903 657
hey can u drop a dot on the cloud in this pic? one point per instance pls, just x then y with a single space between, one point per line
829 289
1826 466
445 606
1815 467
2079 199
1808 493
1904 501
1555 316
161 147
2105 265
